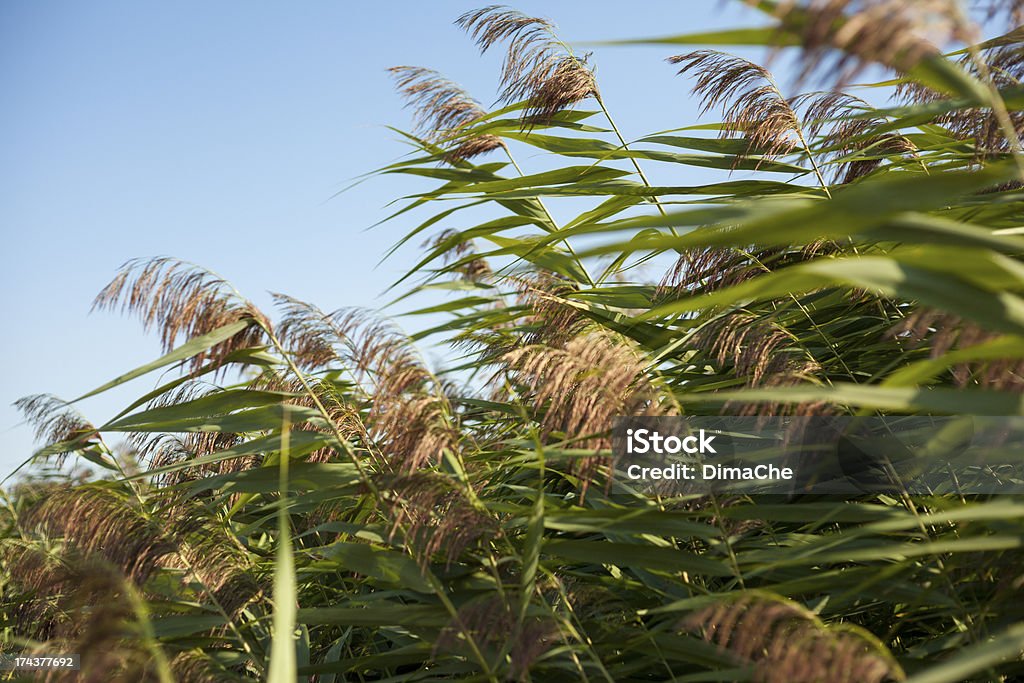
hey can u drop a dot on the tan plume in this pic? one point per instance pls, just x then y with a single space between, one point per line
443 111
840 37
434 515
538 69
788 644
750 101
181 300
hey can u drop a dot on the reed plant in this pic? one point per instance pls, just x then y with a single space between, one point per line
301 496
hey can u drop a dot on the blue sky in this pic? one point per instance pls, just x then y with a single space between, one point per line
218 133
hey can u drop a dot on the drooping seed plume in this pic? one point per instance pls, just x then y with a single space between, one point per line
457 251
784 642
181 300
443 112
434 515
751 104
538 68
942 332
839 38
56 421
1003 67
491 622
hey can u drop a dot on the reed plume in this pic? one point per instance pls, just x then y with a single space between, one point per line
99 520
459 254
942 332
211 554
841 37
180 300
577 390
100 617
434 516
443 112
56 423
493 625
844 125
538 68
409 416
759 351
750 101
709 269
788 644
1003 67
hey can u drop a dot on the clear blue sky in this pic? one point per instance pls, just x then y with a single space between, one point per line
217 132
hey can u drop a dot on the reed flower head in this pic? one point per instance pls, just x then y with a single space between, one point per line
57 423
750 101
786 643
444 112
492 624
538 69
183 301
840 37
434 515
578 389
1004 68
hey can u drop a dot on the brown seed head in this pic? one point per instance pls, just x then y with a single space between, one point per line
538 68
182 301
786 643
840 37
56 422
444 112
751 103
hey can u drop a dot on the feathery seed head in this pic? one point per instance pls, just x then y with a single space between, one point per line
578 390
1004 67
56 422
751 103
895 33
181 300
443 111
493 624
785 643
460 251
538 68
436 517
